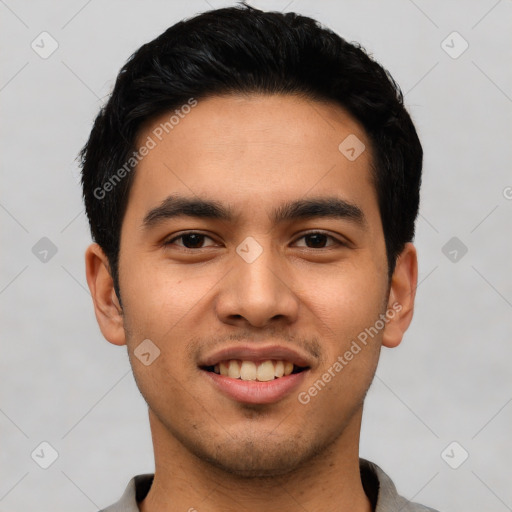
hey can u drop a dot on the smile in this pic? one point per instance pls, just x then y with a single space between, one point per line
254 383
263 371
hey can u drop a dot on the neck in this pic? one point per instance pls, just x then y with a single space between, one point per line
329 481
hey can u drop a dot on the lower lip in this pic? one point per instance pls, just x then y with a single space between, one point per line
255 392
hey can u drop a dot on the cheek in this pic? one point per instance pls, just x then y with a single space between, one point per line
165 305
345 300
160 296
345 310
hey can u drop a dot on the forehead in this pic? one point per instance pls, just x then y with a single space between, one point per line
252 151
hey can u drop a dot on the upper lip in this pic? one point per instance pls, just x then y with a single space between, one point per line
250 352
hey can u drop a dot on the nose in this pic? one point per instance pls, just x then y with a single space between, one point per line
257 293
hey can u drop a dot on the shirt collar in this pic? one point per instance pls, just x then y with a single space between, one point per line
376 483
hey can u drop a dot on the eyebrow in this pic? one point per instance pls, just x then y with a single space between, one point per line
181 206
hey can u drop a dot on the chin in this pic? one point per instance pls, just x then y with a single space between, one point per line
258 459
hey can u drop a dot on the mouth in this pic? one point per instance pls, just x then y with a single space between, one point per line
260 371
255 382
256 374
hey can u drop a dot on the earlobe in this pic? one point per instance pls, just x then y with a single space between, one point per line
109 313
401 296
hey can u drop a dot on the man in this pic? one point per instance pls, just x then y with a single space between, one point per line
252 186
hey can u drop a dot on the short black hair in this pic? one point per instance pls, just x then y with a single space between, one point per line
242 49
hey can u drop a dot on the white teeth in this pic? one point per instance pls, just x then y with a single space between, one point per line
234 369
265 371
248 370
279 369
223 368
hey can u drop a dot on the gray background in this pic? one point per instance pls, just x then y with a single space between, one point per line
450 380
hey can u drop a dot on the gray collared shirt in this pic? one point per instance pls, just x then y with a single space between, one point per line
377 485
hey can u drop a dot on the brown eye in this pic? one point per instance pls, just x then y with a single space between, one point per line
193 241
318 240
189 240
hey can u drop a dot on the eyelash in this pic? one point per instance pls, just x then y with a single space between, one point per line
170 242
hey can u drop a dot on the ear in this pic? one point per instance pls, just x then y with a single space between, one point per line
401 296
109 313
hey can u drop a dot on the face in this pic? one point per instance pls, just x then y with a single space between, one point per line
271 248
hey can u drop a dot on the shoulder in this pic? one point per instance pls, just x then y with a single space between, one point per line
135 491
387 497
